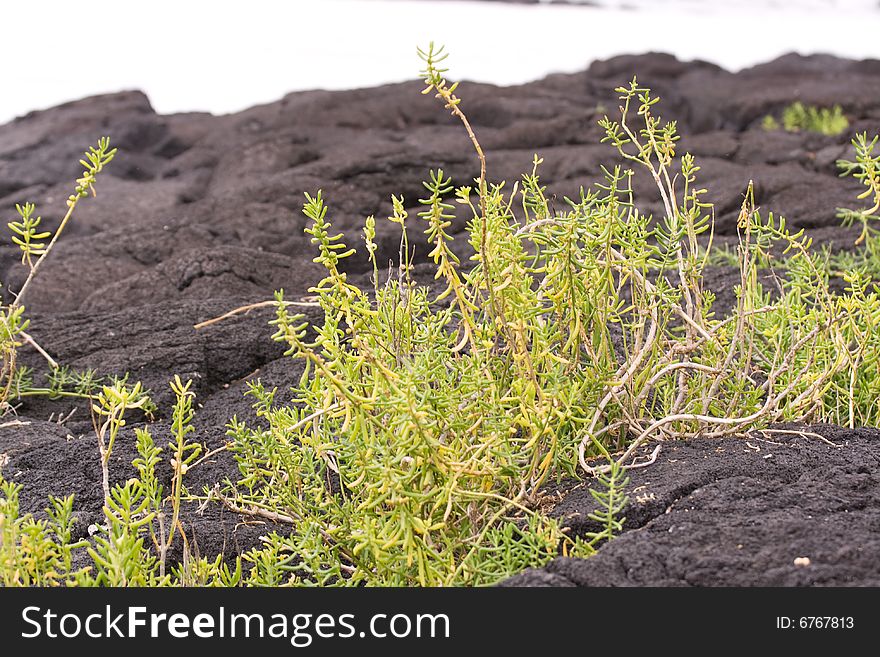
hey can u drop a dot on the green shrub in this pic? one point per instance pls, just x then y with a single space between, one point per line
416 445
798 117
423 429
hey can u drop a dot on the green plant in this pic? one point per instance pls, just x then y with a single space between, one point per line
415 447
769 123
612 500
137 515
108 412
36 244
184 454
35 552
865 169
798 117
422 429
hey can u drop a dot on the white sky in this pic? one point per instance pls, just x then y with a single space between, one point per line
226 55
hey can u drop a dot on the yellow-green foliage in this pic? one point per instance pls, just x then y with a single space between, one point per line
798 117
129 548
423 428
414 448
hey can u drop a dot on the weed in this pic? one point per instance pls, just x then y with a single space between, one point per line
423 429
184 454
865 169
35 245
417 442
140 524
107 417
798 117
612 500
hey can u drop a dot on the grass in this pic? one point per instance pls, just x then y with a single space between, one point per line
416 445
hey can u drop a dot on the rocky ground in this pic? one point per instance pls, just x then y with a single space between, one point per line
199 214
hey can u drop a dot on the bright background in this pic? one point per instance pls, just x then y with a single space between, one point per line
226 55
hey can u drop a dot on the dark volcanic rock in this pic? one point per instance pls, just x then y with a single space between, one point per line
200 214
739 512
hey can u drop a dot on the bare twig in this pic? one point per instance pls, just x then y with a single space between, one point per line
208 455
793 432
30 340
622 376
681 417
644 464
274 516
256 511
14 423
252 306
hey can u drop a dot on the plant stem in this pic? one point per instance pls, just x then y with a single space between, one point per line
24 288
